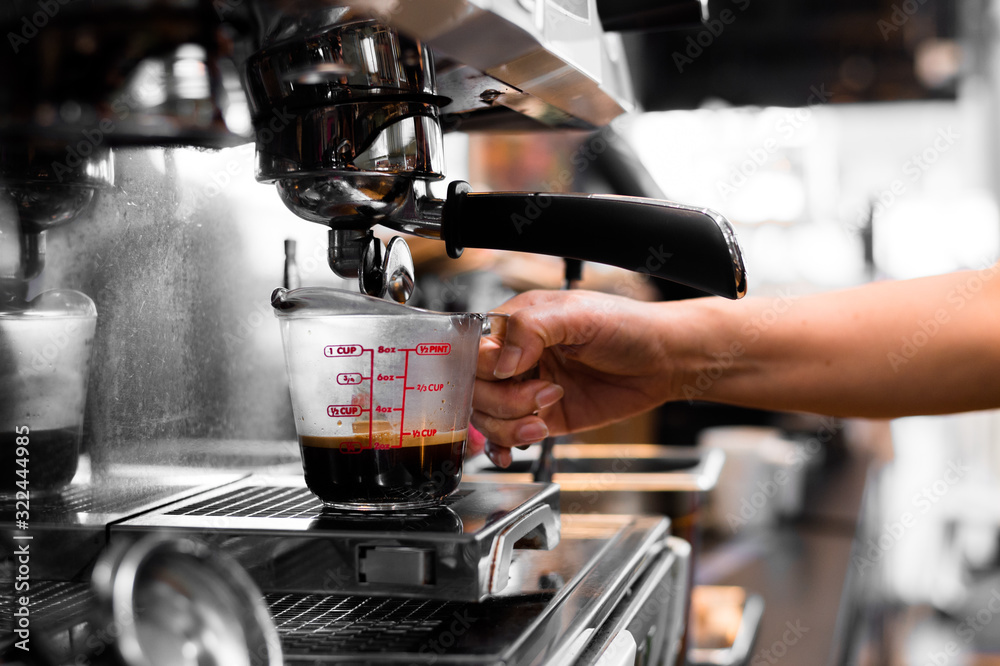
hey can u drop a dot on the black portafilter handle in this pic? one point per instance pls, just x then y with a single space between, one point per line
651 15
692 246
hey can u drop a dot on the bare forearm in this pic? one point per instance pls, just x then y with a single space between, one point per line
922 346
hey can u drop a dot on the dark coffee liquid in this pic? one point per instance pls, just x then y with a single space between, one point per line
350 470
51 460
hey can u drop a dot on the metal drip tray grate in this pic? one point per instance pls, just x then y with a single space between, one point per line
258 501
311 624
53 604
255 502
97 499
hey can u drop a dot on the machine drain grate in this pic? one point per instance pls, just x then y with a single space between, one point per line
316 624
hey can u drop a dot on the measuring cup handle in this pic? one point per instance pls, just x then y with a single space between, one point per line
495 323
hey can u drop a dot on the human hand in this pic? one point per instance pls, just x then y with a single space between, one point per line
569 361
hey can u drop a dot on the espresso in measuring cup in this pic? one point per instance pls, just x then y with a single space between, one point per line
378 466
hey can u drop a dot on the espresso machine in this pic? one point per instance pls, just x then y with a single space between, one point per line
109 112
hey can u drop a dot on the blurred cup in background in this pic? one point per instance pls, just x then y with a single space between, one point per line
45 352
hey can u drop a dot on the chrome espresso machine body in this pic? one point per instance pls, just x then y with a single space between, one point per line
106 109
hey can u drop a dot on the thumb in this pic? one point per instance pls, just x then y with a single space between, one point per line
531 330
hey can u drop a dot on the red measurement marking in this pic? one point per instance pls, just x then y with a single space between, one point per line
340 351
434 349
349 378
351 447
333 411
406 371
371 393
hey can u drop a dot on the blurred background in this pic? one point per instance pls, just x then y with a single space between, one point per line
847 142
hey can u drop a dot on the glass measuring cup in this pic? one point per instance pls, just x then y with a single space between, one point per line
381 394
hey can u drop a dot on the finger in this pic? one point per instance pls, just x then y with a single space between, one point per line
500 456
510 432
489 352
514 399
490 346
476 443
531 330
528 299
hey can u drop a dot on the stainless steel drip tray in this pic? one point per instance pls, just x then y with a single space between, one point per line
608 574
464 549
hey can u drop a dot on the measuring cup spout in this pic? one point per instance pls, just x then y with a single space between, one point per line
323 301
278 300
